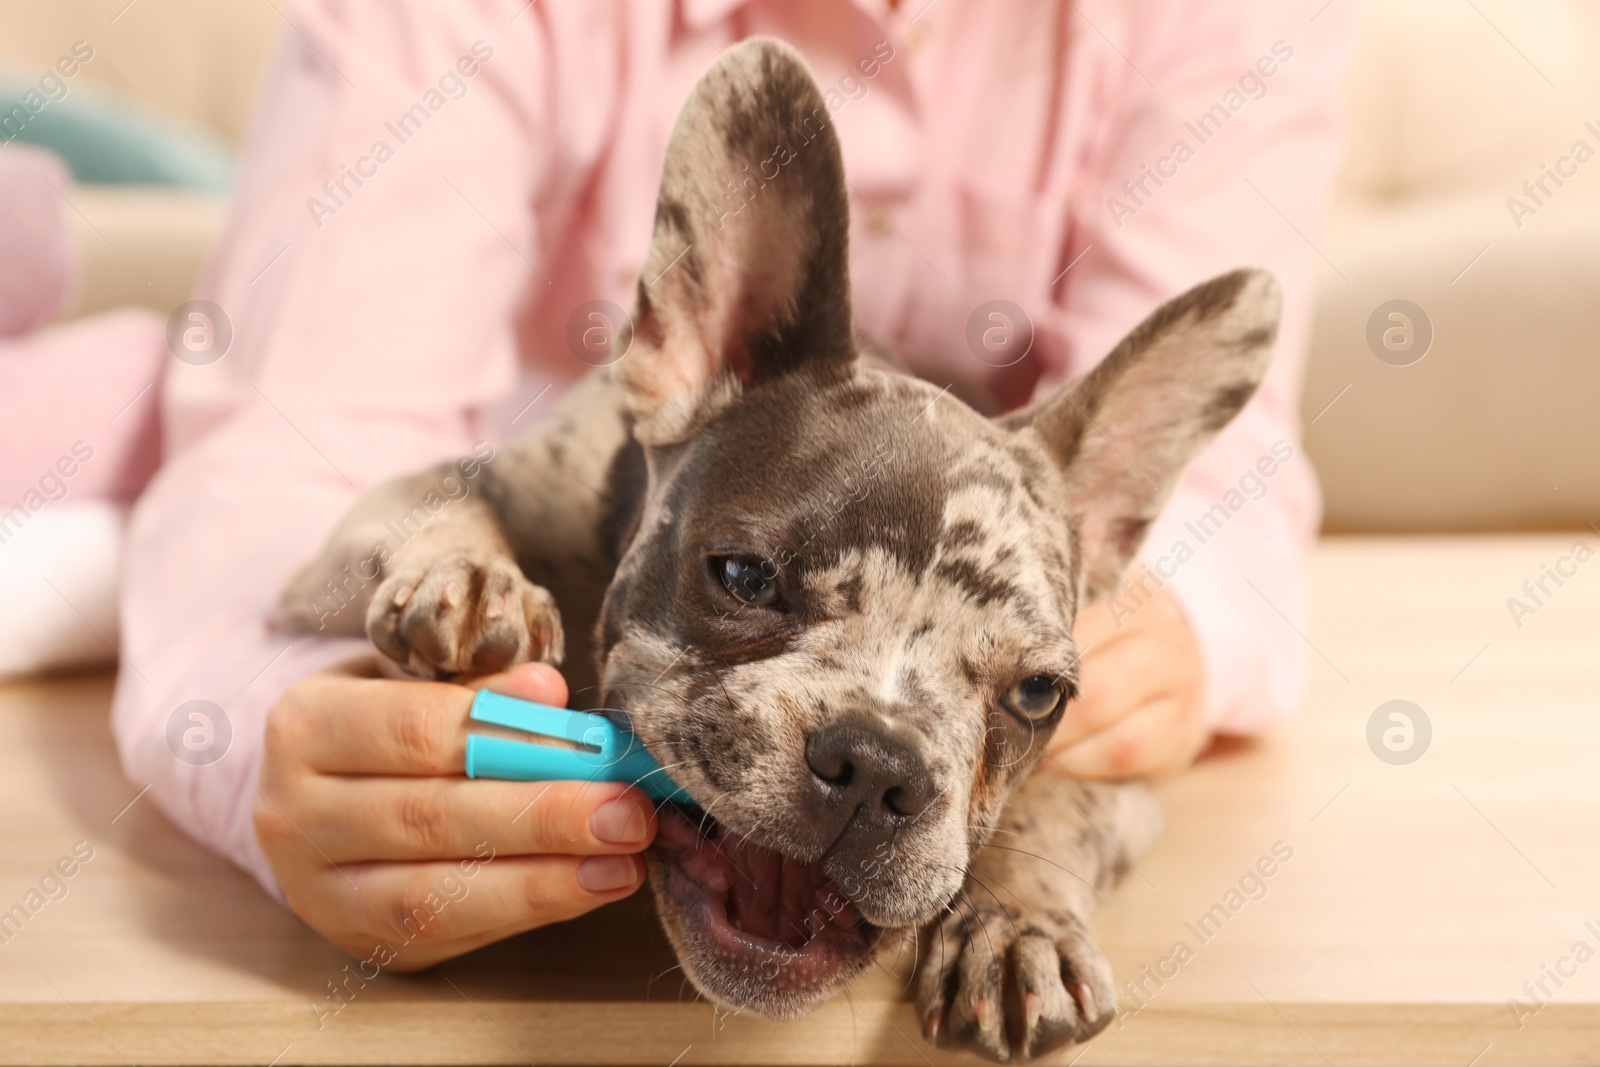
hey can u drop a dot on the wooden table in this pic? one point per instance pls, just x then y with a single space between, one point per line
1418 900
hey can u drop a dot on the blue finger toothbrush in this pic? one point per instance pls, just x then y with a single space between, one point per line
610 753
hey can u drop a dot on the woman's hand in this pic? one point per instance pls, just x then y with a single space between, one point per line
1139 712
377 839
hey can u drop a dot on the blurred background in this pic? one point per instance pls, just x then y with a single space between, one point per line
1452 383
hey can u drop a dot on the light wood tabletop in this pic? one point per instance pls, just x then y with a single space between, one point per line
1419 903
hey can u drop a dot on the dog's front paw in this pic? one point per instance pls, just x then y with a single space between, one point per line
1011 987
453 615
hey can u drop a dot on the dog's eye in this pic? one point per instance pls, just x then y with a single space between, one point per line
1036 698
747 581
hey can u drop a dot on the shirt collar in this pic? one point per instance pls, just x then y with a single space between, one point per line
704 13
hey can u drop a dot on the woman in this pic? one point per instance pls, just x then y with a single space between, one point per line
434 195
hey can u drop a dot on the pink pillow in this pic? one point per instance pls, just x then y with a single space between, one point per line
38 263
78 412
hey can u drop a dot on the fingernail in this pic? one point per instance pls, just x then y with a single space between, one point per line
527 672
619 822
545 677
603 874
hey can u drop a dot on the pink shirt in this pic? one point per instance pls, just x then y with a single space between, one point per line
431 189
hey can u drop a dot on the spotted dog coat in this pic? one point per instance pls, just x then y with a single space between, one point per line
921 558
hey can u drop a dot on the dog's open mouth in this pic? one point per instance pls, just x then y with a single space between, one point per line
753 912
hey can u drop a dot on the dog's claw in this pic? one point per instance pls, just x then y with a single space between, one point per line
985 1013
1085 998
1015 986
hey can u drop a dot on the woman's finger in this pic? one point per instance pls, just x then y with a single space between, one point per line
399 819
346 725
1094 627
1112 681
420 908
538 682
1098 626
1153 739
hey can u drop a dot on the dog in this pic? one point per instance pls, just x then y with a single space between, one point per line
835 602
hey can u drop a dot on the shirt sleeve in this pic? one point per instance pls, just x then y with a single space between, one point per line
360 315
1221 157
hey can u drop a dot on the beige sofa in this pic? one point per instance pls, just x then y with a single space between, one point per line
199 60
1452 105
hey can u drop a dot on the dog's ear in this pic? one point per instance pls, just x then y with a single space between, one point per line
1124 432
747 277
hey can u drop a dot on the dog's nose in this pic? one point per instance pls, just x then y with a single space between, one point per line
867 770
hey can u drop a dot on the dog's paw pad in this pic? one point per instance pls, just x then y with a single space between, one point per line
457 616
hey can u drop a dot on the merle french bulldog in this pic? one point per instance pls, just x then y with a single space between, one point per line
834 602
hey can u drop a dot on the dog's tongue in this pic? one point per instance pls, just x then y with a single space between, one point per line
765 893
